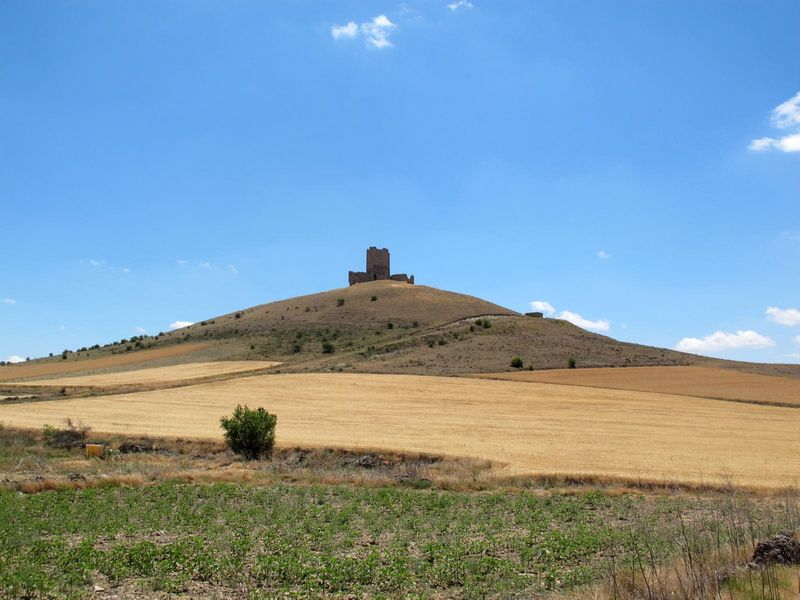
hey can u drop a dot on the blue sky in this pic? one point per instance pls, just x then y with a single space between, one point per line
633 163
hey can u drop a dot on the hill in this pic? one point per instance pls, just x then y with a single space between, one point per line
378 327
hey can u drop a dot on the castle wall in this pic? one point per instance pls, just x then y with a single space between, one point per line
377 269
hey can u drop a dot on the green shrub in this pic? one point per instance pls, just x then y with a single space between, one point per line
71 436
571 364
297 348
373 299
340 302
328 348
516 362
390 325
250 432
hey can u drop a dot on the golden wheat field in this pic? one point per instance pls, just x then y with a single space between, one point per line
57 367
705 382
171 374
530 427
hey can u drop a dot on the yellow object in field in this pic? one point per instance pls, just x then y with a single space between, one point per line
95 450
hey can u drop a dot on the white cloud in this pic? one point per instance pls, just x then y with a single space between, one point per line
797 339
180 261
126 270
543 307
785 116
233 269
720 340
576 319
179 325
454 6
95 262
788 143
205 265
375 32
344 31
15 359
794 356
603 254
141 330
62 327
784 316
9 301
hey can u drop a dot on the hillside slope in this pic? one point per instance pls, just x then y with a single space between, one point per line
385 327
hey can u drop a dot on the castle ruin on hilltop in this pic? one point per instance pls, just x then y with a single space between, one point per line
377 268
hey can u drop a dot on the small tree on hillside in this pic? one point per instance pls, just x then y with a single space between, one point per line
250 432
516 362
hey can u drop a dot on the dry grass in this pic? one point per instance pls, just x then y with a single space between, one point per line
57 367
533 428
171 374
702 382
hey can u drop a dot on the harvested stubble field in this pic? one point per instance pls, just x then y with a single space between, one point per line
533 428
56 366
170 374
705 382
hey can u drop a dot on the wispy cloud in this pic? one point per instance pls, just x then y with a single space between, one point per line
9 301
459 4
784 316
179 325
97 262
126 270
350 30
576 319
785 117
182 262
603 254
548 309
375 32
543 307
14 358
205 265
233 269
797 339
141 330
720 340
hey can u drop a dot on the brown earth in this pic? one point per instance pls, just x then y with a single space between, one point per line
156 375
705 382
534 428
57 366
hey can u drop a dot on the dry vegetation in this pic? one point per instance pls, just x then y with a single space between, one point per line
157 375
533 428
705 382
57 366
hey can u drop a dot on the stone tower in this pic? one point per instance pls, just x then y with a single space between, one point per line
377 268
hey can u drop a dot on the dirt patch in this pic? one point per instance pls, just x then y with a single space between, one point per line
782 549
704 382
